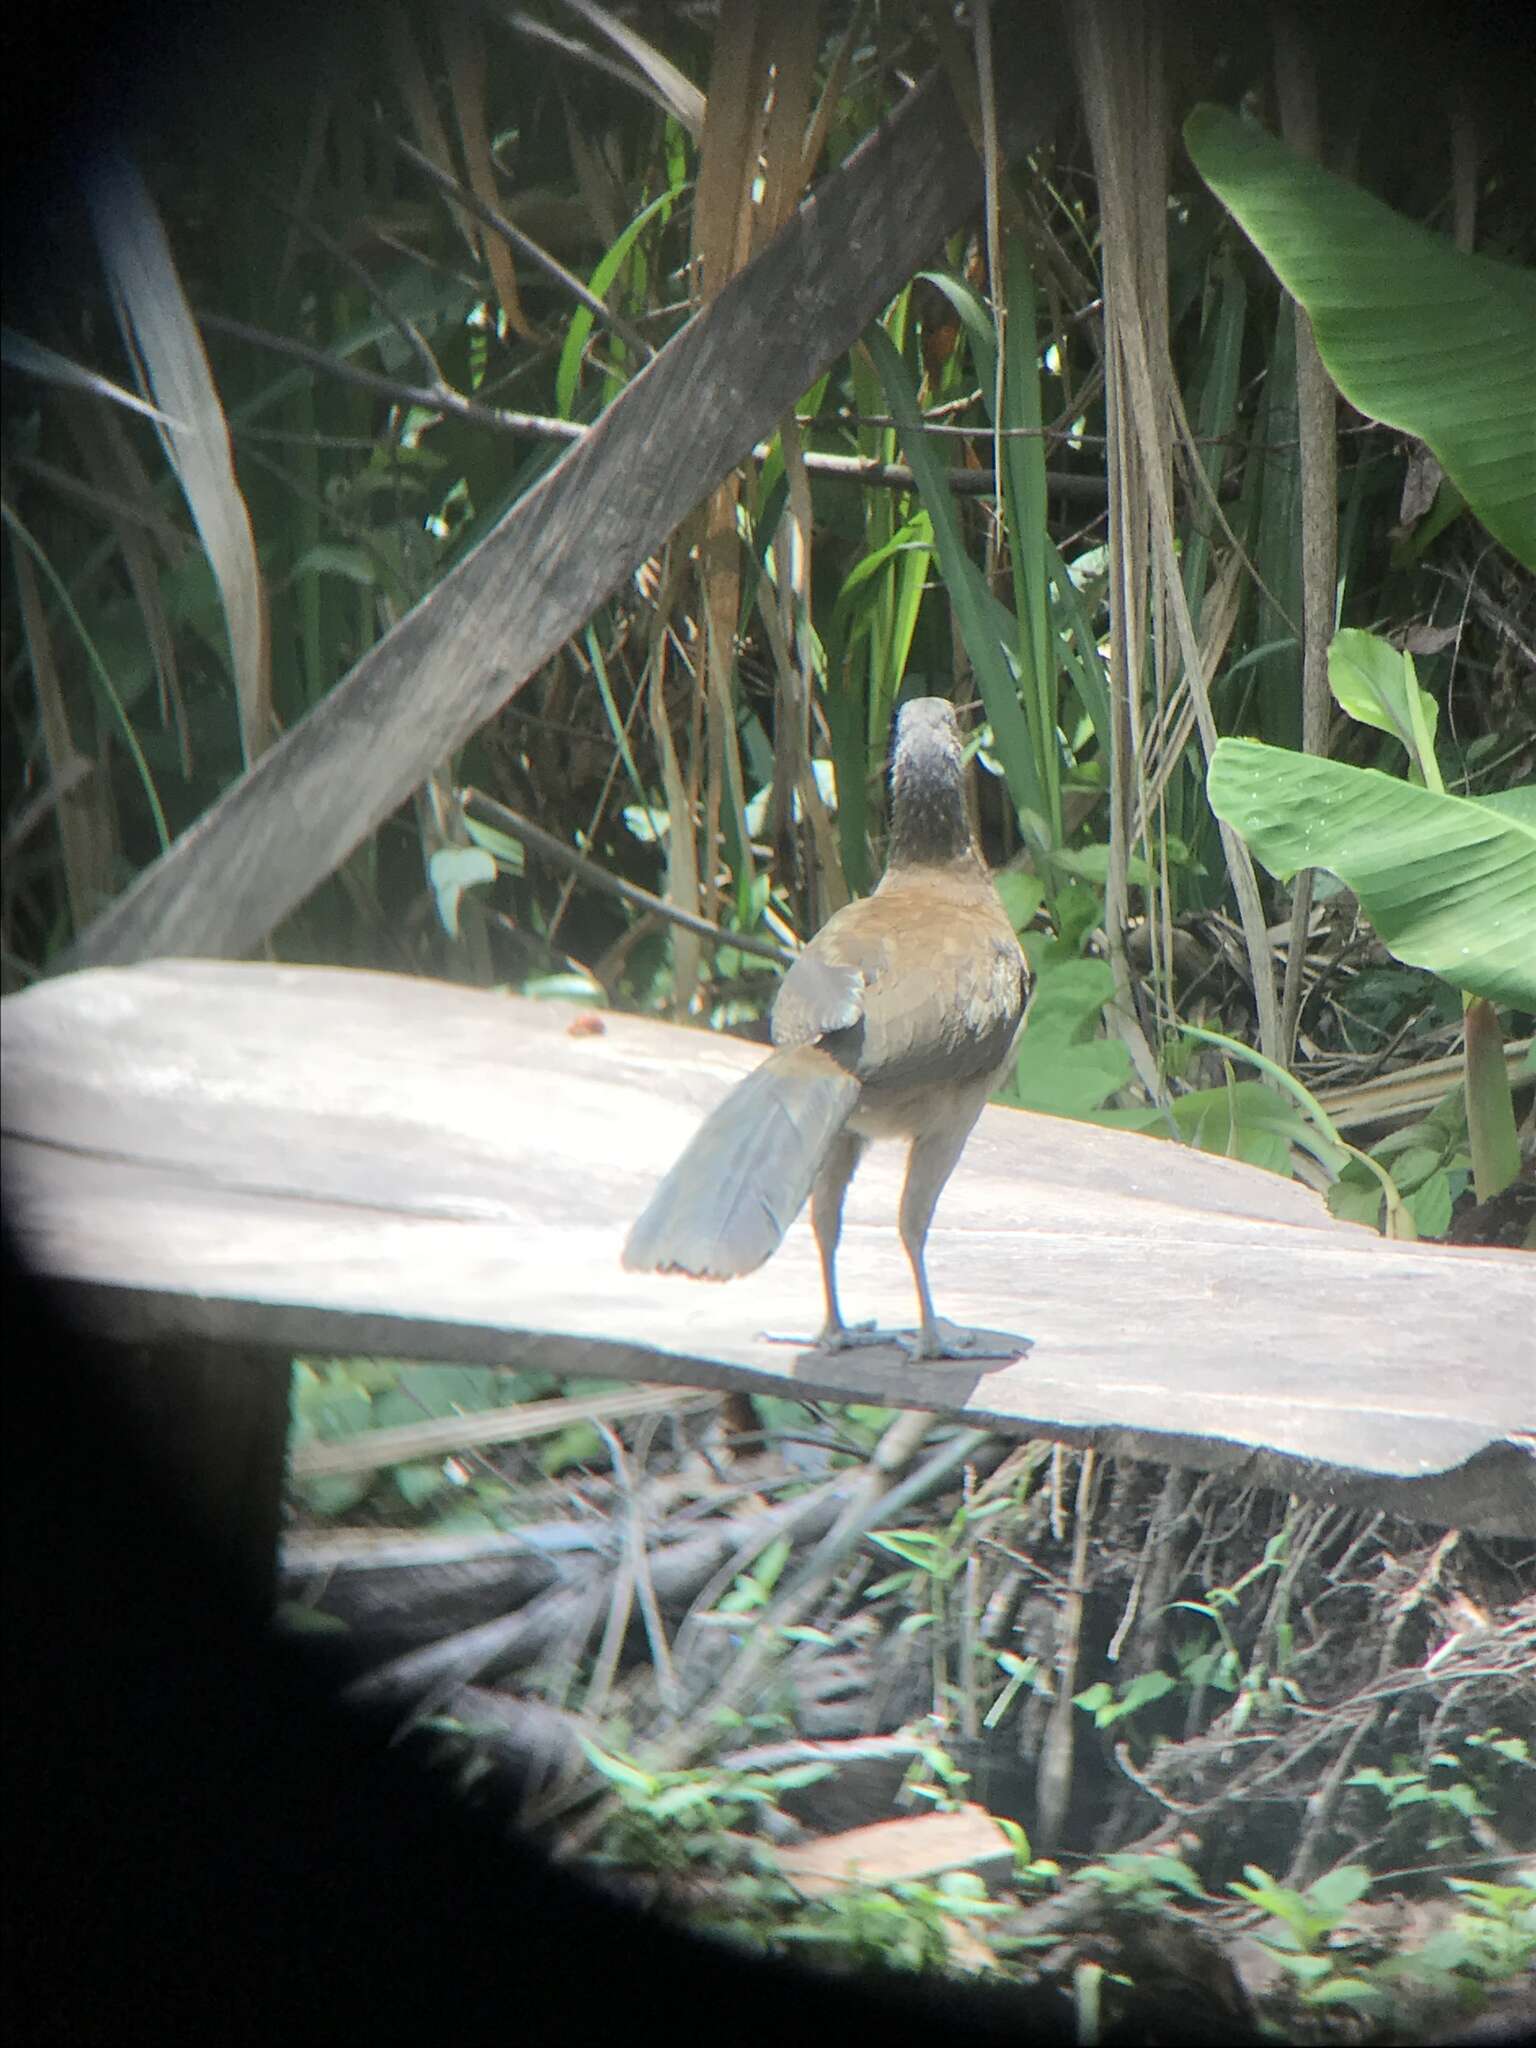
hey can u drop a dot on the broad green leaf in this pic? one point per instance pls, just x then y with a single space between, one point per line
1091 864
1346 1991
1430 1205
1068 998
1353 1202
1413 1166
1415 332
427 1392
1449 883
1068 1080
333 1493
1064 1068
1519 803
1245 1120
1022 896
1375 683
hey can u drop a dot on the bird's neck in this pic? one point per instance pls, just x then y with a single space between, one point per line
930 825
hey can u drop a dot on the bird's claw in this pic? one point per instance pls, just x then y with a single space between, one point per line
855 1337
844 1337
945 1342
948 1341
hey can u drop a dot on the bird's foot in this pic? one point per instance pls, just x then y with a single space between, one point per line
855 1336
948 1341
944 1342
836 1337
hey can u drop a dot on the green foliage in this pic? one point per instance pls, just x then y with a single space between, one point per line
1494 1938
705 1803
1379 686
688 1825
1111 1703
901 1926
568 371
933 1560
753 1589
984 625
1142 1884
1258 1678
361 498
1310 1940
1429 1164
1019 1672
1332 1963
1449 882
1450 1789
1392 305
1065 1066
335 1399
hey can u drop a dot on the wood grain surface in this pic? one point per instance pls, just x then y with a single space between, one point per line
331 1161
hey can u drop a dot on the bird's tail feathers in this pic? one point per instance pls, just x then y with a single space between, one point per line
726 1204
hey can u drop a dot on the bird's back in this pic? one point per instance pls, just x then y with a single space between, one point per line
921 984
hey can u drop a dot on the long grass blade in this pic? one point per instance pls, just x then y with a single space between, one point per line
98 668
975 607
161 335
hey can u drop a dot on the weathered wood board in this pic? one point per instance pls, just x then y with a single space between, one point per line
333 1161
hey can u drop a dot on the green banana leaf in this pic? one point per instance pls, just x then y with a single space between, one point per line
1449 882
1414 331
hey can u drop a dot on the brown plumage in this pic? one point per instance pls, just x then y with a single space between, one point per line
897 1020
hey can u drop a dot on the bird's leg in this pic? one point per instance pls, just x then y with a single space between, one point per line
929 1165
827 1221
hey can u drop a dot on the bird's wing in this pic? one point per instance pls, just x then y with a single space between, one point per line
921 982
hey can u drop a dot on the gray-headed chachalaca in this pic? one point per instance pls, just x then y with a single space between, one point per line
897 1020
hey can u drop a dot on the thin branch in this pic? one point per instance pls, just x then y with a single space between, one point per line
408 332
536 254
965 483
477 805
534 426
433 398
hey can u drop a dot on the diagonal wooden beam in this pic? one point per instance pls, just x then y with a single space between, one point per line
683 423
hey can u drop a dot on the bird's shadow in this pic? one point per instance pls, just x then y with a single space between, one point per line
889 1352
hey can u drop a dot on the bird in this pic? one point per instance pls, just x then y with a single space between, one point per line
897 1020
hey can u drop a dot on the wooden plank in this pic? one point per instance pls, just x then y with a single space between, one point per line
675 430
337 1161
912 1849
